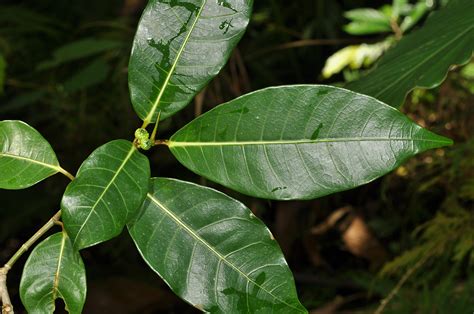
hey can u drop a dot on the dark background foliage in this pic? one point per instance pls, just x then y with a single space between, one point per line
335 246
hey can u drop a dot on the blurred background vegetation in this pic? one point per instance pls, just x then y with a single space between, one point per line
407 238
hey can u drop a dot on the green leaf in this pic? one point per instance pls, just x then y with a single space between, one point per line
53 270
418 11
107 192
299 142
26 158
399 7
93 74
212 251
178 48
78 50
363 28
355 56
367 21
23 100
422 58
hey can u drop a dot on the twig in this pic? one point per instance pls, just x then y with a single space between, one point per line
162 142
7 307
396 29
66 173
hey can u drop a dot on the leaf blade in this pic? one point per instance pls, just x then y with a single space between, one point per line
26 158
53 269
302 144
203 40
422 58
110 186
200 232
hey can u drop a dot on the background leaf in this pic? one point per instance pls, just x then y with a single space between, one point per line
367 21
212 251
299 142
53 270
422 58
93 74
78 50
108 190
178 48
26 158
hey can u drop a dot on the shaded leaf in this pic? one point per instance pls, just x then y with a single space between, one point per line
178 48
78 50
107 192
299 142
212 251
422 58
17 20
23 100
53 270
93 74
26 158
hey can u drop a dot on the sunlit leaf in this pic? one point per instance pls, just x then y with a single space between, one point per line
355 57
212 251
299 142
179 47
53 270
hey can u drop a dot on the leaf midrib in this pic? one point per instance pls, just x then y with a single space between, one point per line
220 256
172 144
46 165
127 158
150 115
58 268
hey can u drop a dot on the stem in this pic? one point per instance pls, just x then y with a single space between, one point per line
396 29
33 239
155 129
7 307
66 173
162 142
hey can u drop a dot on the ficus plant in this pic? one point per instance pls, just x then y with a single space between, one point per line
281 143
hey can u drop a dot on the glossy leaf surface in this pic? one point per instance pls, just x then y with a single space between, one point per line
53 270
299 142
422 59
212 251
26 158
178 48
107 192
